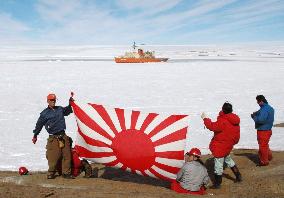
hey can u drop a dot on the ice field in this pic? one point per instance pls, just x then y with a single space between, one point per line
195 79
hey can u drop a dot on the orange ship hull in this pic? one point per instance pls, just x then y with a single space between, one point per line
139 60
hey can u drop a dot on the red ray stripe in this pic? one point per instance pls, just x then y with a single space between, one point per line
120 116
83 152
134 118
167 122
159 175
148 120
143 173
167 168
89 122
179 155
175 136
113 163
92 141
105 116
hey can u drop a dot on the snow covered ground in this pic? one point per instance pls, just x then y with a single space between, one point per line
196 79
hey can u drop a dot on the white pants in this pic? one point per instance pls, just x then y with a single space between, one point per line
219 163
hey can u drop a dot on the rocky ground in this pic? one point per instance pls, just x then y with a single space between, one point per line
279 125
262 182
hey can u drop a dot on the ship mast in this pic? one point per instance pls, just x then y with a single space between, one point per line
134 45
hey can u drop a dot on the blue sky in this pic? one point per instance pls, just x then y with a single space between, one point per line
181 22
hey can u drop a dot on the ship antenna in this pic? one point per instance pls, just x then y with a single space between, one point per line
134 45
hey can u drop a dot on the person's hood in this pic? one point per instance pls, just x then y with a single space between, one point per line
262 105
231 117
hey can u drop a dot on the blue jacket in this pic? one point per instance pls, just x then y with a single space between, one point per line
264 117
52 119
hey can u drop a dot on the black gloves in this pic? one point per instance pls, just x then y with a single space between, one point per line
34 139
71 99
253 114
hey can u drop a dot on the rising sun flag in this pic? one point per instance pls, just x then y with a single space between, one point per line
147 144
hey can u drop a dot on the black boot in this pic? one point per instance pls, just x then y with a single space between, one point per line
51 175
217 182
237 174
87 168
68 176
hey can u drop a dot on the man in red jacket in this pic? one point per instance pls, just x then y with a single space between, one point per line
226 134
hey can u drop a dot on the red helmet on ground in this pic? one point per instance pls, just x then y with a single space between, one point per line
195 151
23 170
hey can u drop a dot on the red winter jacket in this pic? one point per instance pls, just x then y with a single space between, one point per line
226 133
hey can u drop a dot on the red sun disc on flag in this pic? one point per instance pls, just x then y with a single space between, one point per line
148 144
134 149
